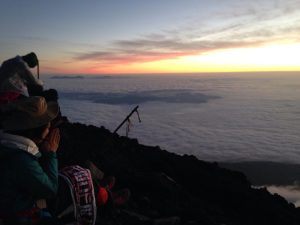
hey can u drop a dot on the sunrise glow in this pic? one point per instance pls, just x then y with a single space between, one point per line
284 57
280 57
180 37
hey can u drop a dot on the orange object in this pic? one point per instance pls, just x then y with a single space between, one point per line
102 196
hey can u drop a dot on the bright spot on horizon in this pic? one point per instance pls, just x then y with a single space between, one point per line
283 57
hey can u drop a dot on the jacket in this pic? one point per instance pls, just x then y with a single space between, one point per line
26 174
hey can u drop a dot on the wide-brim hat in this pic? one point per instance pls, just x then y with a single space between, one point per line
29 113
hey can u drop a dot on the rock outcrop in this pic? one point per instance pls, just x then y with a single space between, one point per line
171 189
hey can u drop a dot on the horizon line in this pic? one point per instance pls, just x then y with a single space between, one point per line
170 73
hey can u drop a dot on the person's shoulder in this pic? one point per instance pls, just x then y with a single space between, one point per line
13 61
15 156
22 157
22 161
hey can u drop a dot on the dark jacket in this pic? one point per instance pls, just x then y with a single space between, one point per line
26 175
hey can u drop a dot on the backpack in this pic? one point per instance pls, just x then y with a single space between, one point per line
77 181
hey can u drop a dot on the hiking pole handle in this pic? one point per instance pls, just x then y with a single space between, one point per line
126 119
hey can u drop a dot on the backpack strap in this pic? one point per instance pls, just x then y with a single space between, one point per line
81 186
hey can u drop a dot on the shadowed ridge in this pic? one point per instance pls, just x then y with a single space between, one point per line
267 173
166 185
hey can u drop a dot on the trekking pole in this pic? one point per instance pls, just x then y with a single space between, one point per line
38 71
127 118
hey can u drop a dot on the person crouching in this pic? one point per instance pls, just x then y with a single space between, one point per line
28 163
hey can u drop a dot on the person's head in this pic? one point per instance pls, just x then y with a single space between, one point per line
30 117
31 60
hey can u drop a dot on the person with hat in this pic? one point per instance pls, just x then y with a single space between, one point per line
28 163
18 82
16 77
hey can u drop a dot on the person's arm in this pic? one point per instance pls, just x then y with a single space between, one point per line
41 178
38 181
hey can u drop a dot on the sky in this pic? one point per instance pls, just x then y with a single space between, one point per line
142 36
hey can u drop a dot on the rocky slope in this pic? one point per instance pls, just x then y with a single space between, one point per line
171 189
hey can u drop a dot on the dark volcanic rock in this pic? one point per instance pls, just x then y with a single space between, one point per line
171 189
267 173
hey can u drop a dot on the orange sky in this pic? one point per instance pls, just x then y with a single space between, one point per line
170 36
275 57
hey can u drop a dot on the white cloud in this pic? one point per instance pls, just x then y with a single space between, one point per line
290 193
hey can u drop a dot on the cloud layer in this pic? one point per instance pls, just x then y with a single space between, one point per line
254 120
139 97
239 26
291 193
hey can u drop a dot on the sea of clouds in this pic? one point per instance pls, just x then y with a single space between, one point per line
216 117
290 192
